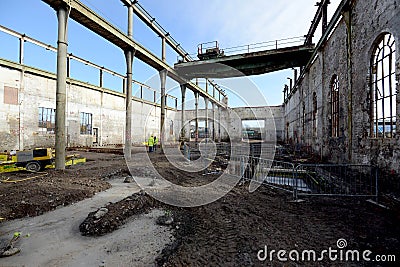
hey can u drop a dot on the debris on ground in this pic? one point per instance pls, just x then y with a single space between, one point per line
10 249
109 218
165 219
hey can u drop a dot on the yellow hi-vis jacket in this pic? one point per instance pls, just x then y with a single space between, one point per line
150 142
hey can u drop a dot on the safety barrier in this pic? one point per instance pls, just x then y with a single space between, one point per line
349 180
340 180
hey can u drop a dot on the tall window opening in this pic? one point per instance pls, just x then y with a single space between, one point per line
47 119
383 92
335 106
86 123
314 113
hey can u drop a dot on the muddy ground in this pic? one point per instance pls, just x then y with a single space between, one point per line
54 189
228 232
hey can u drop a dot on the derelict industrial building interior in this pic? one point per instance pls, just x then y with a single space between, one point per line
92 175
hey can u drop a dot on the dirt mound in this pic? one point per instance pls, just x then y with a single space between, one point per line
109 218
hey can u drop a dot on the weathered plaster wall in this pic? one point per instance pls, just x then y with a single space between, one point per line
349 59
19 126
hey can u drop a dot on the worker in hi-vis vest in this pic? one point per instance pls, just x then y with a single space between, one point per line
155 143
150 143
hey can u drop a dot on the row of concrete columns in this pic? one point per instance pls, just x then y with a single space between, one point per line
196 103
60 137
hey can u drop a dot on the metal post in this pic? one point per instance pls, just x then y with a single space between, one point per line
324 16
196 103
60 142
183 91
124 86
163 80
101 78
206 110
219 124
213 121
68 66
163 50
206 86
21 49
213 91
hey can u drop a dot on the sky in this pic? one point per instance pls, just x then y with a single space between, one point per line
231 23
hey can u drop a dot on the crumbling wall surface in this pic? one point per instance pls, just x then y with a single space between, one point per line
369 21
22 94
335 65
347 53
9 110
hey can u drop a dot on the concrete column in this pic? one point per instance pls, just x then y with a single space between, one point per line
213 122
183 91
61 88
196 104
206 110
21 94
128 102
163 80
219 124
128 90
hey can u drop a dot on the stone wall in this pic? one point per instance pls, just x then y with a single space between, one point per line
347 53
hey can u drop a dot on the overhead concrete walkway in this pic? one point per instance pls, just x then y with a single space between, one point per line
248 63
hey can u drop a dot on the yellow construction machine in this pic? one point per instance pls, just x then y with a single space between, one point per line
33 160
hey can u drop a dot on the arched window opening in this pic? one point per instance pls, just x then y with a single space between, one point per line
335 106
383 90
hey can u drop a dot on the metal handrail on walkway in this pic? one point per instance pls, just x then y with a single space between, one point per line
268 45
70 56
256 47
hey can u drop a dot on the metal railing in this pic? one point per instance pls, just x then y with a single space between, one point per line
339 180
269 45
257 47
141 86
350 180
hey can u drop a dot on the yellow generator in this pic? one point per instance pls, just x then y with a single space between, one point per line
34 160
